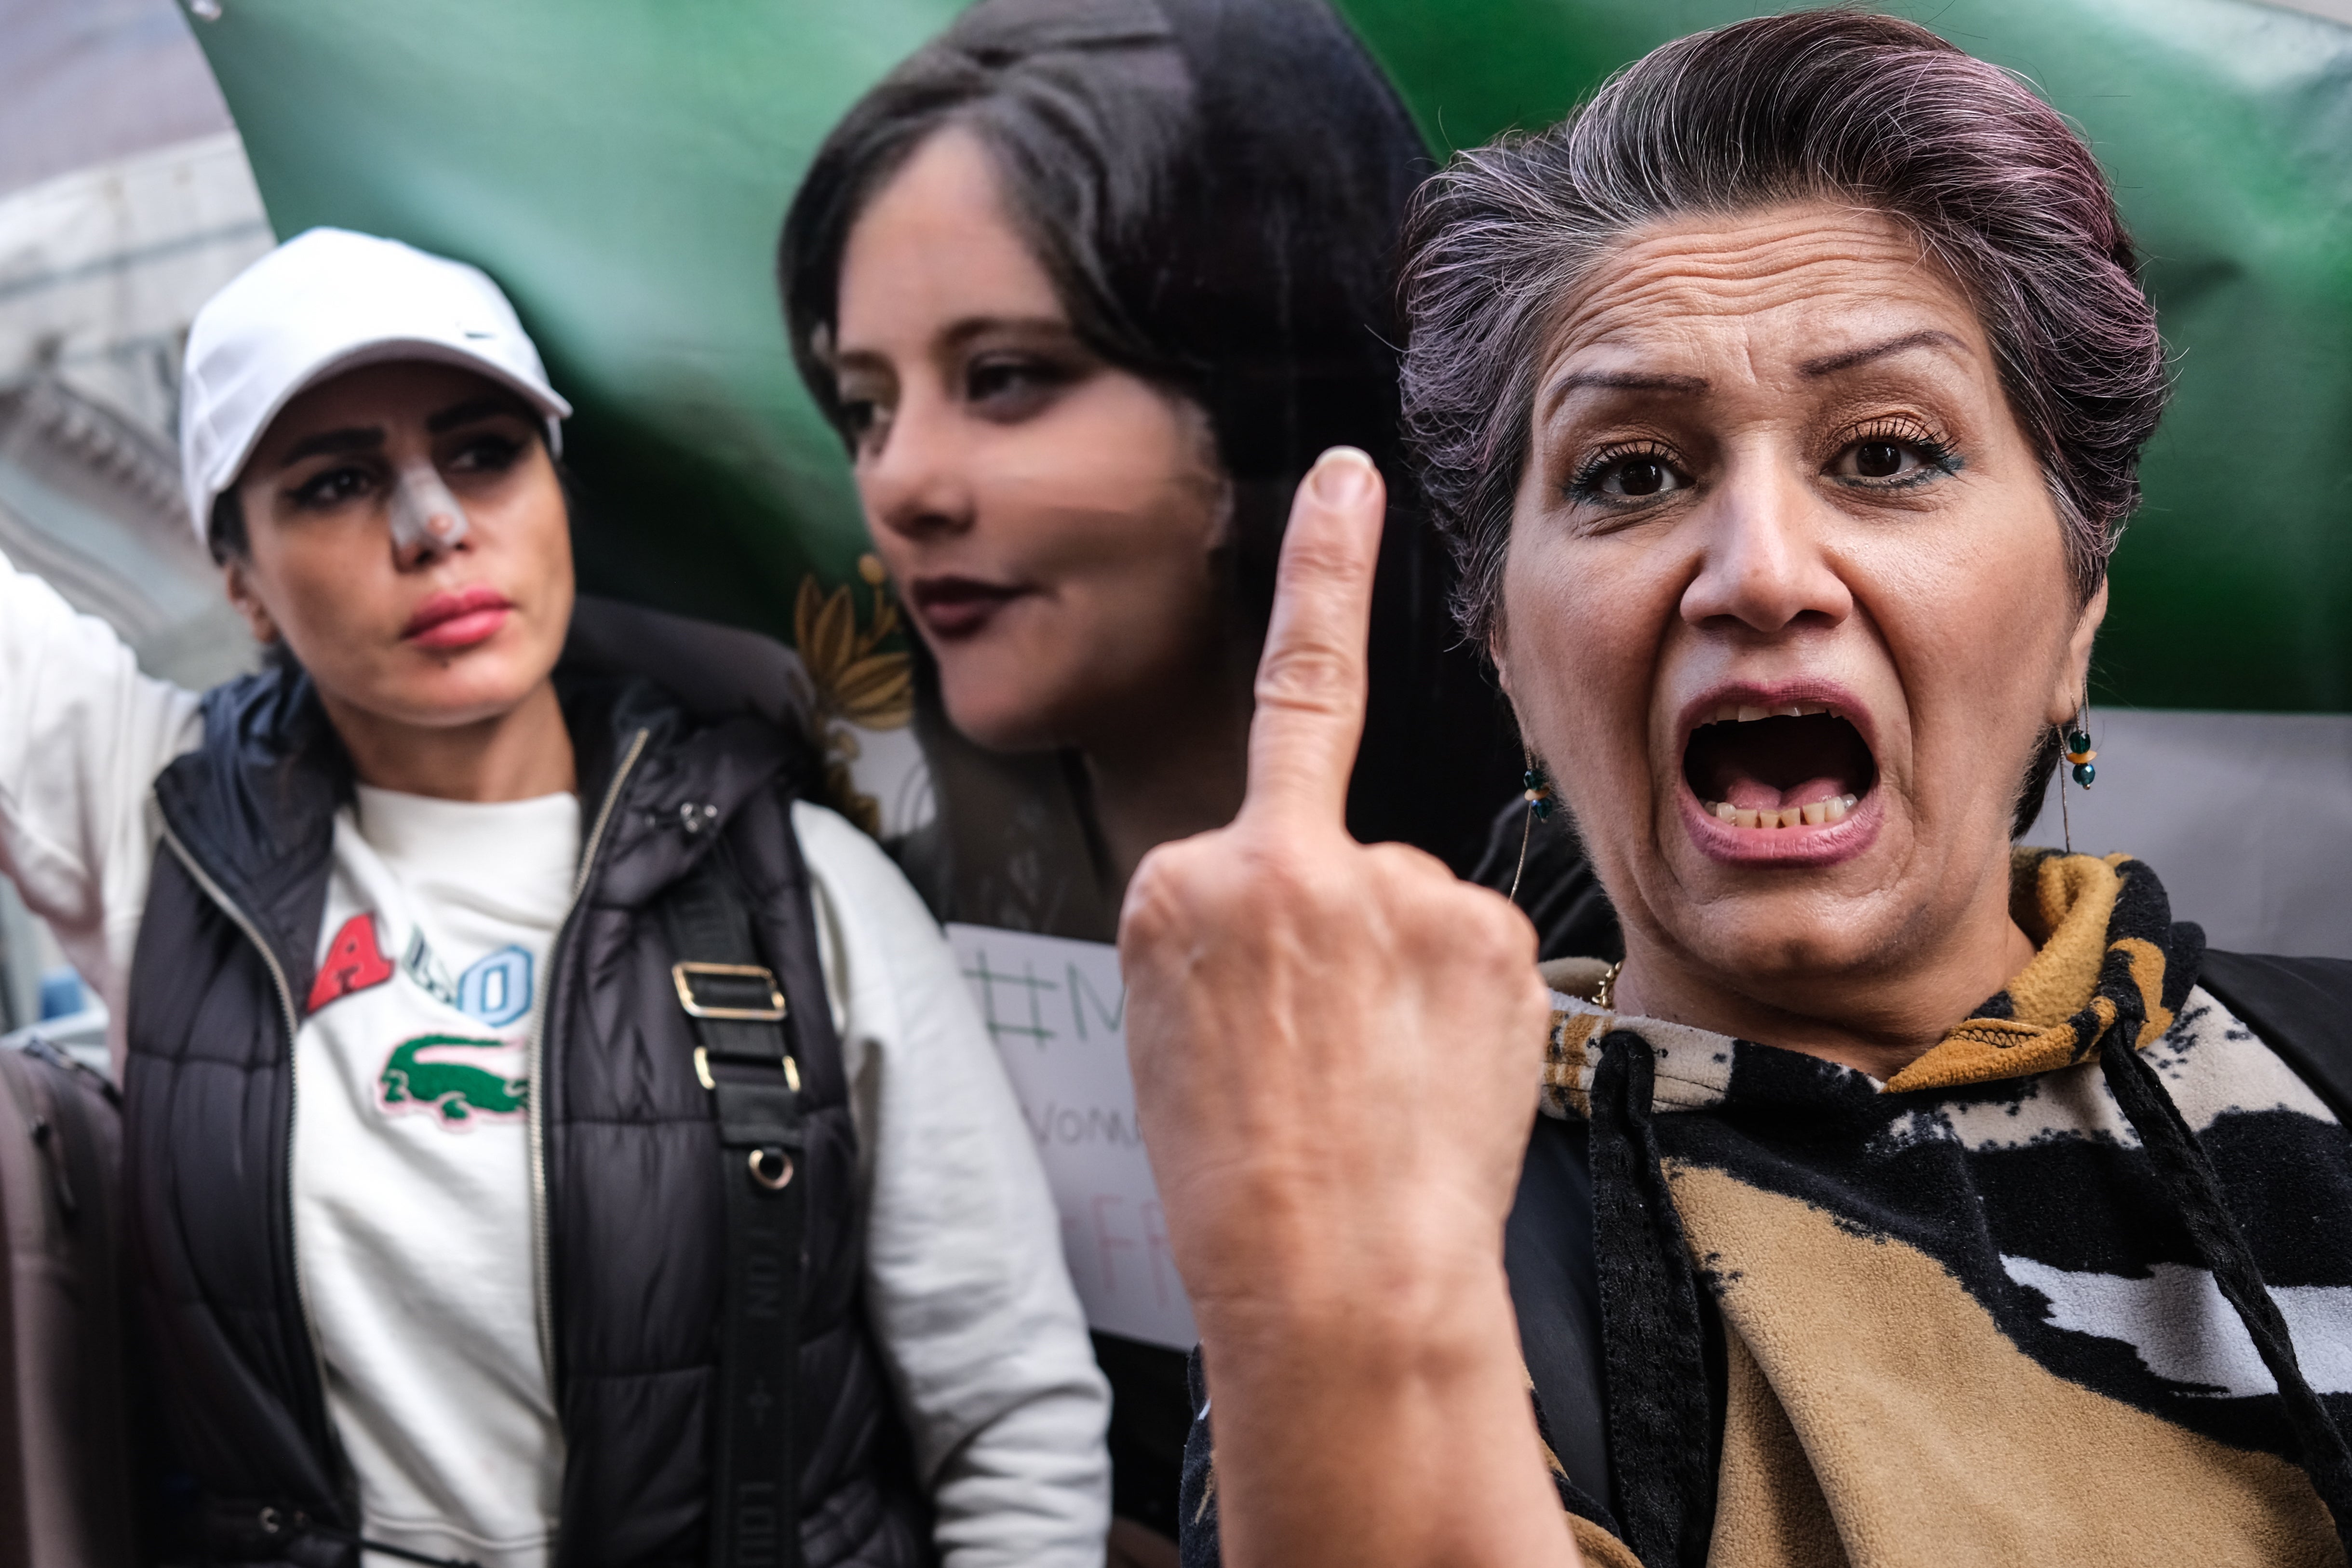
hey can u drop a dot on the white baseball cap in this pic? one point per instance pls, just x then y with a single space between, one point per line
324 302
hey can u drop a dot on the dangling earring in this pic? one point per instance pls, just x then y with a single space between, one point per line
1537 791
2077 746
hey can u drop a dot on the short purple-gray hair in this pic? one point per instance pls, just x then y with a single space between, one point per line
1821 105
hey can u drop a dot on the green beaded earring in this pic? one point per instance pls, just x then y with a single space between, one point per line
1537 792
2079 753
2077 744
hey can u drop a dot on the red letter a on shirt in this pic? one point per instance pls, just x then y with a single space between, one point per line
353 963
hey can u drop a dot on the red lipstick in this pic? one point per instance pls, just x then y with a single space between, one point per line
457 617
958 607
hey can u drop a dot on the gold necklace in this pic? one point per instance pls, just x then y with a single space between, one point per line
1604 994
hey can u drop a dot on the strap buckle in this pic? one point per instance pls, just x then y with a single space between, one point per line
702 1068
686 976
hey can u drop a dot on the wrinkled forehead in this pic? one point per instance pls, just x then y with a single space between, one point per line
1765 296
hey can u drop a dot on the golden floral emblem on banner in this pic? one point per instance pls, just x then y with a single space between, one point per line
854 684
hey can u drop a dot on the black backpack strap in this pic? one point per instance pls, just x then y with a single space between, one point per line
2302 1008
743 1057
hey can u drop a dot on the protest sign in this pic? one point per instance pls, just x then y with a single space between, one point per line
1057 1013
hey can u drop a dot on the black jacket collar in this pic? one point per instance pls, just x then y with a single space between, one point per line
253 807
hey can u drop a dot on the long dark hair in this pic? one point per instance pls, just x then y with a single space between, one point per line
1216 188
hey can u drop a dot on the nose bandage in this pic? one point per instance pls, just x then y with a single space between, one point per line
425 514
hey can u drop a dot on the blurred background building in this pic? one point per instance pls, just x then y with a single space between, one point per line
124 201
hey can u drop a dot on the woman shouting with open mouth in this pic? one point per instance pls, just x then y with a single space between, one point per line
1906 1196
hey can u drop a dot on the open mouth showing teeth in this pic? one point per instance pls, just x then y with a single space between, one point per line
1790 766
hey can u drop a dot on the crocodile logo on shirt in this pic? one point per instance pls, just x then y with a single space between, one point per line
457 1090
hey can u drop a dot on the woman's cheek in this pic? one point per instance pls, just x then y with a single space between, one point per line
1582 644
337 598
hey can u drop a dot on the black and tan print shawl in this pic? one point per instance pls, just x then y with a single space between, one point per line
2075 1287
1979 1312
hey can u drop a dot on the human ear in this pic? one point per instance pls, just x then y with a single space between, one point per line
1496 643
2074 675
237 577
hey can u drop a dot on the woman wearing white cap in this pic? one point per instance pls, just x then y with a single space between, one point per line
546 1139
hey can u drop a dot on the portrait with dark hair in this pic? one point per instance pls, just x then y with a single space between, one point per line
1086 287
1213 194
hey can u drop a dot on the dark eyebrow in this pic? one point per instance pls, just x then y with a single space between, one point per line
1622 381
1829 364
333 442
960 334
474 409
971 327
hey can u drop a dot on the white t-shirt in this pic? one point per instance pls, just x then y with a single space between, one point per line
411 1085
971 1308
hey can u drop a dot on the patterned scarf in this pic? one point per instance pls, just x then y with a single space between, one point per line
2009 1306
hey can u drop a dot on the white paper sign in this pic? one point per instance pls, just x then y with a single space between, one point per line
1057 1013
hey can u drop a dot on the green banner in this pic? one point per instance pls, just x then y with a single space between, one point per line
623 170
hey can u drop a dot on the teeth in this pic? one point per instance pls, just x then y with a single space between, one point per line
1749 712
1813 813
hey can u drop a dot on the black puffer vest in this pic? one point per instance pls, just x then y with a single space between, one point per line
630 1237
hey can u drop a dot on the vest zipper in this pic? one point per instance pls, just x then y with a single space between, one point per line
536 1119
228 907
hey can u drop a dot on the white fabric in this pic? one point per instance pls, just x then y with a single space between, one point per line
82 735
977 1323
966 1287
411 1167
329 300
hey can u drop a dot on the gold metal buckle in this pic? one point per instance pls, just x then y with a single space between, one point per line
682 976
702 1071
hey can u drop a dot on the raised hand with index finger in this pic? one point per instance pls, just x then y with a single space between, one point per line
1337 1051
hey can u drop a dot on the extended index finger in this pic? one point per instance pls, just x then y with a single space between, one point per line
1311 677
